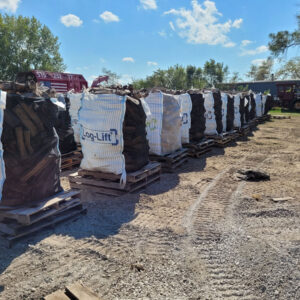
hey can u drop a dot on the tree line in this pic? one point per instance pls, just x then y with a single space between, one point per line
26 44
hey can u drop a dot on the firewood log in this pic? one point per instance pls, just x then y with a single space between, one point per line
20 142
25 119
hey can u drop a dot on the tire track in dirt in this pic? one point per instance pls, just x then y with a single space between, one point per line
203 223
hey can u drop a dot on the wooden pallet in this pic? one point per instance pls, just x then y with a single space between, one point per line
253 123
109 184
71 160
23 221
244 130
196 150
280 117
170 162
224 139
75 291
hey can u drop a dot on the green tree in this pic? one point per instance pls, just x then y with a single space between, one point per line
290 70
214 72
283 40
113 77
235 77
26 44
181 78
261 72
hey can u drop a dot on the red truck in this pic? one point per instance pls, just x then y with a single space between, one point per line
61 82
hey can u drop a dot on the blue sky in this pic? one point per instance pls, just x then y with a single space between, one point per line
135 37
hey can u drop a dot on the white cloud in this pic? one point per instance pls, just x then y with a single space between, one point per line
128 59
152 63
108 17
200 24
172 26
258 61
71 20
162 33
9 5
246 43
229 45
237 23
258 50
148 4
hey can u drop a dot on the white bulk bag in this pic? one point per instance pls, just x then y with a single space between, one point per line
224 110
101 120
210 120
258 102
263 103
164 123
237 115
75 103
2 165
185 103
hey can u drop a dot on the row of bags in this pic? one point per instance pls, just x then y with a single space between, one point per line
98 121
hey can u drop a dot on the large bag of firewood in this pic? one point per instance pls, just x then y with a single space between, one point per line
210 119
259 107
185 103
113 134
268 104
2 167
197 116
230 113
63 126
252 107
224 110
75 103
164 127
237 114
31 153
218 111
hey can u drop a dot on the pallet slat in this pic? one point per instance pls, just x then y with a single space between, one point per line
171 161
68 215
25 215
109 184
78 291
131 177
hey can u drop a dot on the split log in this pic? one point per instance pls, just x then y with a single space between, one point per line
25 120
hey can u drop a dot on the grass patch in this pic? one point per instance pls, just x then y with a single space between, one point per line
284 112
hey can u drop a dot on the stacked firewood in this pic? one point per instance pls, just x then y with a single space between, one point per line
136 147
218 110
269 104
63 126
30 144
247 100
197 116
230 113
252 112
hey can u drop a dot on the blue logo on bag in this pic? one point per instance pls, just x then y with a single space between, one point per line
100 137
185 119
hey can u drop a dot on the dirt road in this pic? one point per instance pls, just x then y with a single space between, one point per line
198 234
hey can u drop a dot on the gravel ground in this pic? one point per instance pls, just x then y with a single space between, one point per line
197 234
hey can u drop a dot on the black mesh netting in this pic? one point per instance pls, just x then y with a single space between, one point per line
31 155
64 129
252 112
269 104
218 111
246 109
136 147
197 117
243 110
230 113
